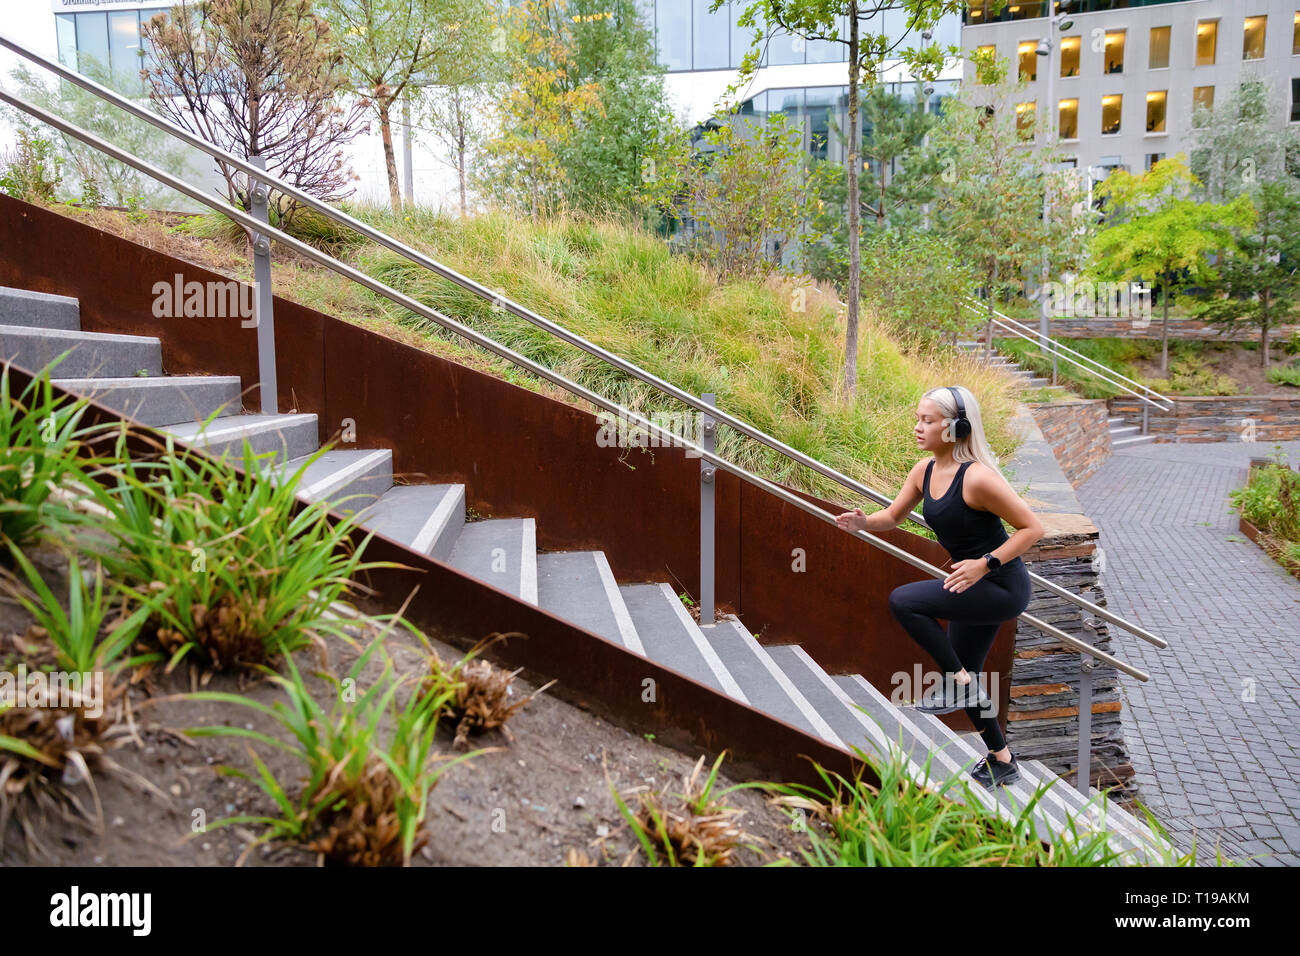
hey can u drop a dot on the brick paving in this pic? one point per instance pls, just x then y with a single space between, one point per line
1213 734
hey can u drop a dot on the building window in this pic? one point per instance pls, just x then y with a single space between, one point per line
1252 42
1111 106
1295 35
1114 52
1028 61
1207 41
1295 99
1068 119
674 33
1070 56
1025 119
991 52
1153 158
1202 99
1156 111
1158 58
65 28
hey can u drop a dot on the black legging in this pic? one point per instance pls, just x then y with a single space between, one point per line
973 615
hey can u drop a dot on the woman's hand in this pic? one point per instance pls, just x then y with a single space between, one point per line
964 574
854 520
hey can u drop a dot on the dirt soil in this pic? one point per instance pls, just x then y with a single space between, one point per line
525 804
1238 363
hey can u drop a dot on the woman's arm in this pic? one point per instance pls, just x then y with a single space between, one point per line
892 516
993 493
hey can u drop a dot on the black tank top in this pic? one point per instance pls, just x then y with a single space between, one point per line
963 531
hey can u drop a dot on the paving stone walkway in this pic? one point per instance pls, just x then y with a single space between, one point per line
1213 735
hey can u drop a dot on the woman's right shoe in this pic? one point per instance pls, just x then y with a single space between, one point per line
992 772
951 695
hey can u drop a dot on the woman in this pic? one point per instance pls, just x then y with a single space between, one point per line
964 496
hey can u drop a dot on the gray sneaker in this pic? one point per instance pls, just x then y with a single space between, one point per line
951 696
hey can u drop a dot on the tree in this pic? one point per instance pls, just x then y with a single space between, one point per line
1156 230
387 44
454 108
256 77
897 179
867 53
1237 145
1258 283
540 111
990 192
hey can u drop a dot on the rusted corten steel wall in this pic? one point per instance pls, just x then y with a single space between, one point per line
791 577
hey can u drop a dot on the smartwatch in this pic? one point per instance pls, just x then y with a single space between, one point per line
992 562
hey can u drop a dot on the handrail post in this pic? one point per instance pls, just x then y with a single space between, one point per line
259 197
1146 408
1083 775
708 472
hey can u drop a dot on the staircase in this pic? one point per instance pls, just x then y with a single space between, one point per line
1122 433
126 373
1026 377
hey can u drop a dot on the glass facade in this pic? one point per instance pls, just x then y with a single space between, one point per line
981 11
689 38
107 41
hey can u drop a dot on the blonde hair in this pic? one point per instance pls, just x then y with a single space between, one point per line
974 447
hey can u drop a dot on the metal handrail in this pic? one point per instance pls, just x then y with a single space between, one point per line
1055 346
483 341
1067 358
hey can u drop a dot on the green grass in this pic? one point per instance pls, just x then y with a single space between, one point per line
768 359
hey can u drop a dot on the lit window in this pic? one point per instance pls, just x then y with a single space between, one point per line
1068 120
1295 35
1153 158
1158 58
1025 119
1202 99
1111 107
1028 61
1114 52
1070 56
1156 111
989 51
1252 43
1207 40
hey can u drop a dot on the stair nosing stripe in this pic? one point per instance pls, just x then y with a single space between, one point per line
622 617
528 569
345 474
702 644
782 679
233 425
436 521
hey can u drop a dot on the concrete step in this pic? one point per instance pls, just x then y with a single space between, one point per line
1123 431
762 681
90 354
580 587
501 552
39 310
169 400
1115 421
425 518
287 436
1040 382
346 480
1063 815
1135 440
1103 813
673 639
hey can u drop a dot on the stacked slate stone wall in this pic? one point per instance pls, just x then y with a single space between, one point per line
1078 432
1262 418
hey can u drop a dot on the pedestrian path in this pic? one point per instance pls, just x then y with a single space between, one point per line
1213 734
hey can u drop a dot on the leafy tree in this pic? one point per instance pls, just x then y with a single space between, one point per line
1156 230
540 112
1237 145
257 77
896 180
388 44
867 53
1258 283
990 192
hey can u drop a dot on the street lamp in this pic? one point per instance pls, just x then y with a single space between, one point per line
1046 45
